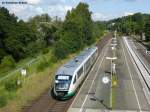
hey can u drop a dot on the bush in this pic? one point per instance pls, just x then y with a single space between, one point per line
3 99
42 65
45 50
34 48
60 50
11 85
7 62
53 59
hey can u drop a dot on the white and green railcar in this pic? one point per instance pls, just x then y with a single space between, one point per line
69 76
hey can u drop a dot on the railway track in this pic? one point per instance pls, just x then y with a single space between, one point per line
59 106
46 103
143 45
144 76
143 50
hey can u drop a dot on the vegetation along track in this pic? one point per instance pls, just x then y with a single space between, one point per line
46 103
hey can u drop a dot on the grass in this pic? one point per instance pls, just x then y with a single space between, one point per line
18 65
24 64
34 84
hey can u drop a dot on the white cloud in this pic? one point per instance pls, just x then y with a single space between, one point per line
97 16
17 8
27 11
100 16
58 10
33 1
108 16
39 10
128 13
55 2
55 8
67 8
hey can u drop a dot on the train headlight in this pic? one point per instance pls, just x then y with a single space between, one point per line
56 81
66 86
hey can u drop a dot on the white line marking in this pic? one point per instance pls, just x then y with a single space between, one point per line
87 78
93 82
131 79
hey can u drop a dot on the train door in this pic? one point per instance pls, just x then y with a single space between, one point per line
80 74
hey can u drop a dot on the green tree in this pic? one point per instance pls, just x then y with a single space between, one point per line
132 24
139 20
48 30
147 30
8 61
98 29
76 32
17 37
60 49
40 18
82 16
72 36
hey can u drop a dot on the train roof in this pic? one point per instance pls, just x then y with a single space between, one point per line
70 67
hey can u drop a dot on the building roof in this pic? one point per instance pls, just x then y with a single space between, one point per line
72 65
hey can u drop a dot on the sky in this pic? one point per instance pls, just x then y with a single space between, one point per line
101 9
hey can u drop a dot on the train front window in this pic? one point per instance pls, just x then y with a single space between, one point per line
62 82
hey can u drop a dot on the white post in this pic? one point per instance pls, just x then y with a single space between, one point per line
146 51
24 73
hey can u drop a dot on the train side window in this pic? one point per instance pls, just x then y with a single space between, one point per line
80 72
74 80
93 57
88 65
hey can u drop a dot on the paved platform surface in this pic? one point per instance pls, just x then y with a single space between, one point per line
127 95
